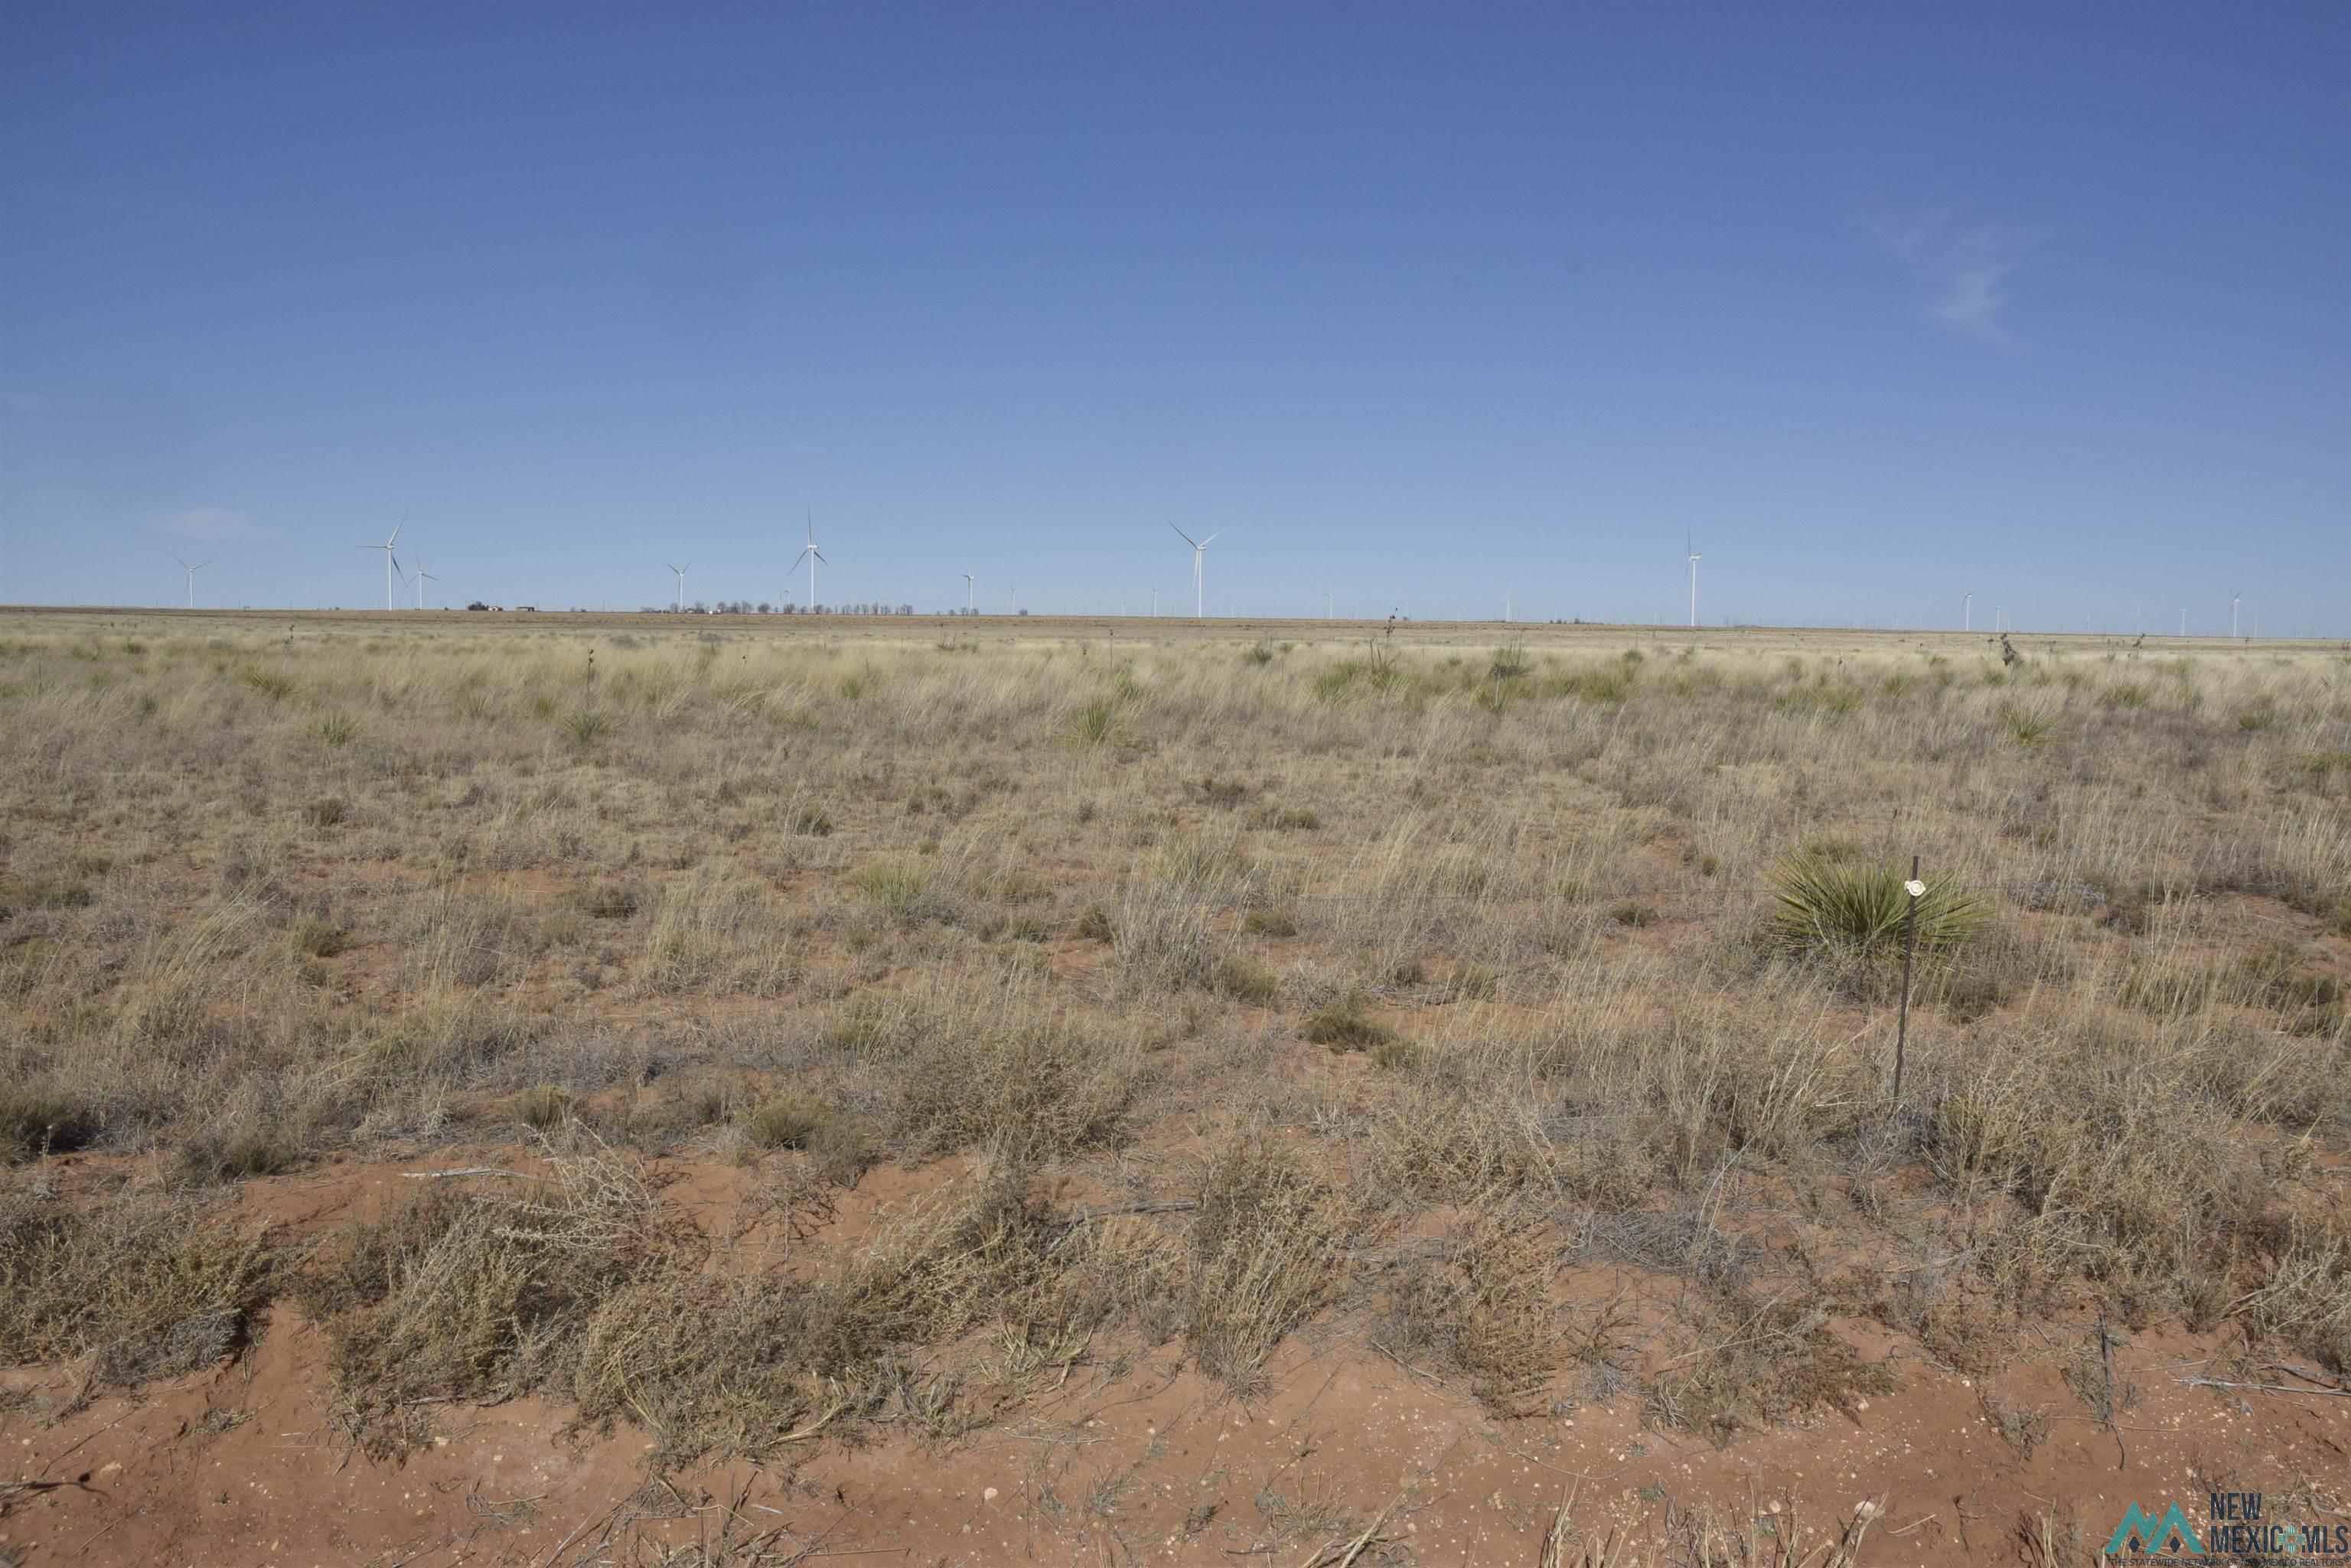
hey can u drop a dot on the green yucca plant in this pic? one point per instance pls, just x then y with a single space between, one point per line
1099 721
897 888
2027 726
1823 903
587 727
335 728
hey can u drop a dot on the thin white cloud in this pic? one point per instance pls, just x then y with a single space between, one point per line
211 523
1965 268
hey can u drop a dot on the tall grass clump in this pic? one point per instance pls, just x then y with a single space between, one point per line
480 1293
147 1285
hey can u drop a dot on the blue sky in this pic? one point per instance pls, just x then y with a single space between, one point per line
1424 307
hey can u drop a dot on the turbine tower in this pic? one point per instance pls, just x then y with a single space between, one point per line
1690 548
1967 613
390 565
811 555
970 592
191 571
422 577
1199 550
2233 597
681 571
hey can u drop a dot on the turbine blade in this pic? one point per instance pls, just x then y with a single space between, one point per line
1212 538
1185 536
395 531
183 565
200 566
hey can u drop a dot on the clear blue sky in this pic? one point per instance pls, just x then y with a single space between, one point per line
1423 305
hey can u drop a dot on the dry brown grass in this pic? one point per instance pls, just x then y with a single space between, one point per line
1308 933
142 1284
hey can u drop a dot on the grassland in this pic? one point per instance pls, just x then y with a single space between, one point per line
1186 992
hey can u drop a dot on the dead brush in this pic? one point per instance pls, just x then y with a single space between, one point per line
480 1292
714 935
2306 1302
1266 1252
1447 1144
1028 1090
1343 1026
1172 926
2122 1183
747 1359
837 1144
1758 1362
146 1285
37 1119
1483 1307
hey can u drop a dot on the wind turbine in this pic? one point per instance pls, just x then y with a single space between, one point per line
390 564
191 571
681 571
1967 612
811 555
2233 597
1199 550
1690 548
422 577
970 595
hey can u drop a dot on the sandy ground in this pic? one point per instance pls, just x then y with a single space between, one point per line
1134 1458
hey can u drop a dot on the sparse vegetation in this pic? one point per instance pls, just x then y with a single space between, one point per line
1358 991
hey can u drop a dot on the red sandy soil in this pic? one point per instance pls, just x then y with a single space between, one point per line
1137 1460
241 1467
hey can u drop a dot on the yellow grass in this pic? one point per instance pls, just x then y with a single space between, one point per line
1312 926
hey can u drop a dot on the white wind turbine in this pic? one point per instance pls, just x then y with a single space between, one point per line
1199 551
2233 597
392 572
1689 549
191 571
681 571
970 590
1967 613
422 577
811 555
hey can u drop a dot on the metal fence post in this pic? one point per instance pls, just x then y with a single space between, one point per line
1914 887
